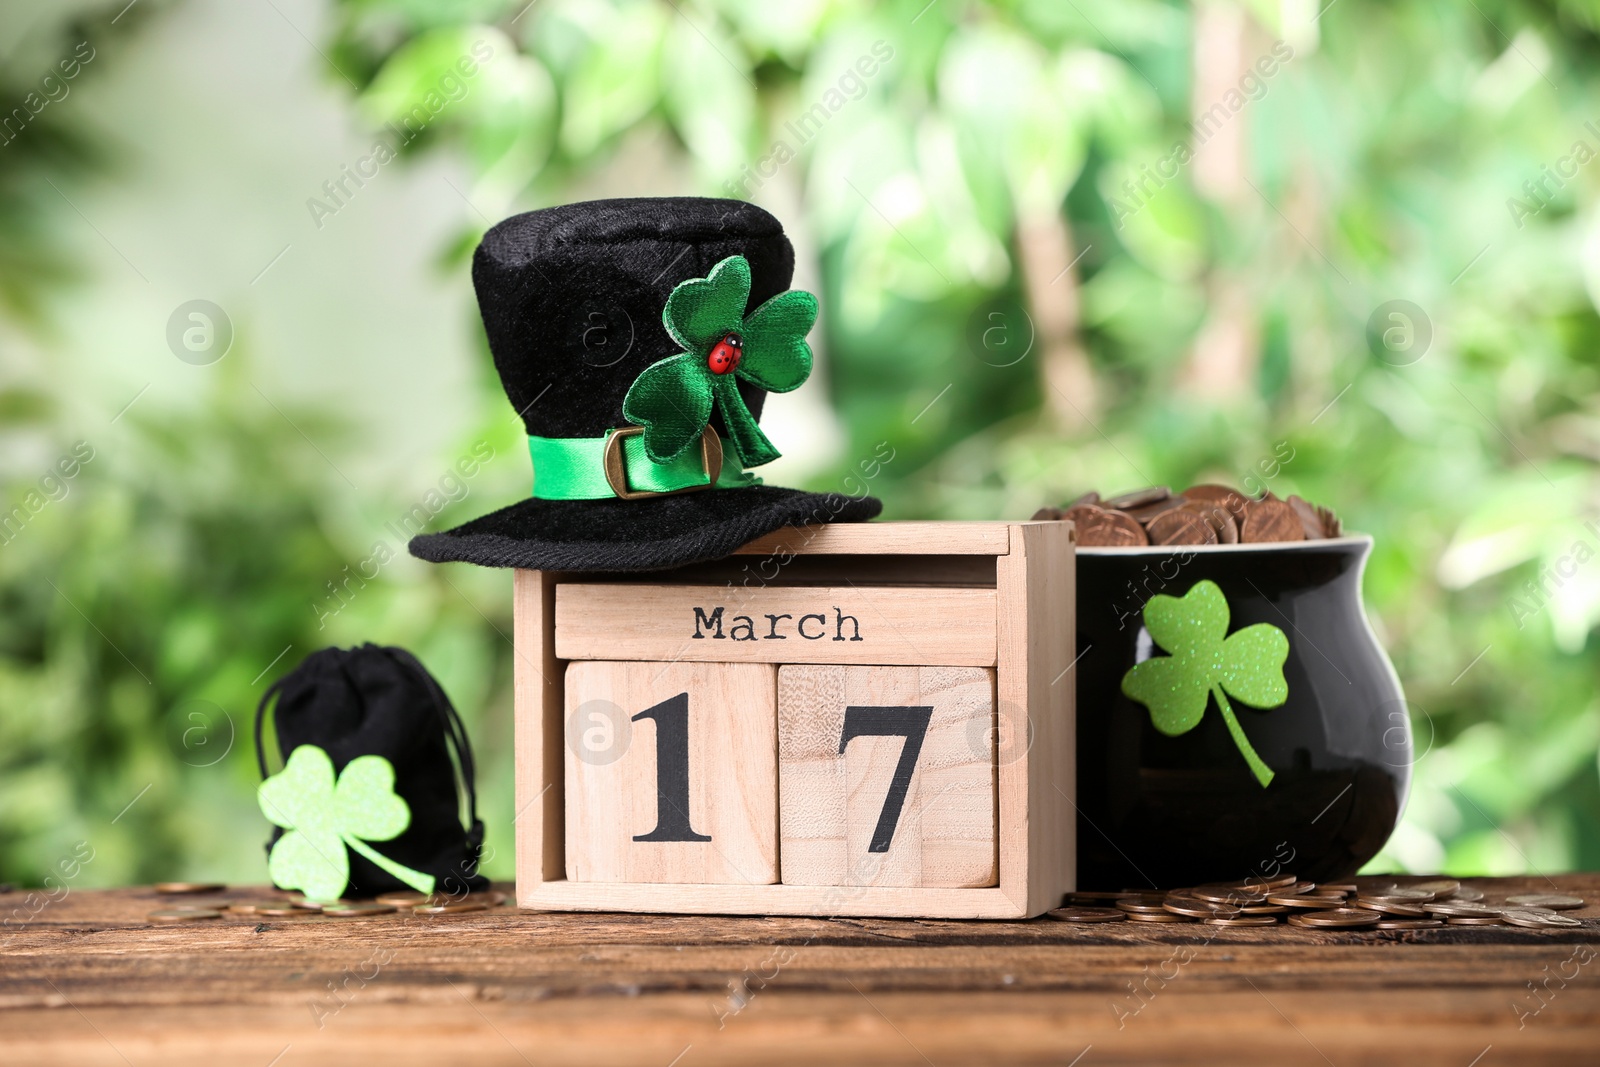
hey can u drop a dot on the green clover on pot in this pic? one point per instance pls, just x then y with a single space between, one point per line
1205 662
322 816
673 397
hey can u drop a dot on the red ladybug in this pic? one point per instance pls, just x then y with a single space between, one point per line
725 354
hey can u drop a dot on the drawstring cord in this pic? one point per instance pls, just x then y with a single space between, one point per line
457 734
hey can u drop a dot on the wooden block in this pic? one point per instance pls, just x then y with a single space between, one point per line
886 776
1028 570
536 685
884 538
671 773
776 624
1037 707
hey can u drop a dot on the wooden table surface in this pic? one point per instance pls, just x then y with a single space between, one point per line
87 980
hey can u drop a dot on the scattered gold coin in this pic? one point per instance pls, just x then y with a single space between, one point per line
1553 901
351 911
253 907
1538 917
405 899
1091 898
1449 909
452 908
1200 909
189 887
1086 915
1283 883
1337 918
1223 893
1404 909
183 915
1321 901
1397 895
1367 902
1146 905
303 901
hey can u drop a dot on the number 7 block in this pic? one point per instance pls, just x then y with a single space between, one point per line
671 772
886 776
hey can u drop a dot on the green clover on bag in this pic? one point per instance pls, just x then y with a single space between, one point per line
1205 662
321 816
672 398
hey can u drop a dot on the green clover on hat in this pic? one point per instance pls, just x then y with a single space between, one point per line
673 397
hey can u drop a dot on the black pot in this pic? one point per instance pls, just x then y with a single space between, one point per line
1170 811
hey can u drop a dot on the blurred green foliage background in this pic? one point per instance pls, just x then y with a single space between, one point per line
1059 247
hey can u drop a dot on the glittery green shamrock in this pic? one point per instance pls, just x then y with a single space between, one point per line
322 816
1206 662
673 397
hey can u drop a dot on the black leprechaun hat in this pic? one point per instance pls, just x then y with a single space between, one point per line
637 339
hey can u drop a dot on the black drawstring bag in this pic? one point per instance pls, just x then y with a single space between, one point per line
376 701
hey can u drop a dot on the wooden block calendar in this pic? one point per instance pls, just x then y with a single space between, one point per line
852 719
675 789
886 775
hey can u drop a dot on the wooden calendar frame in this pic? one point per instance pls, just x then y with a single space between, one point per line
1031 568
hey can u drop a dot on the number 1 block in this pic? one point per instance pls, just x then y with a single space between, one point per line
671 772
886 776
